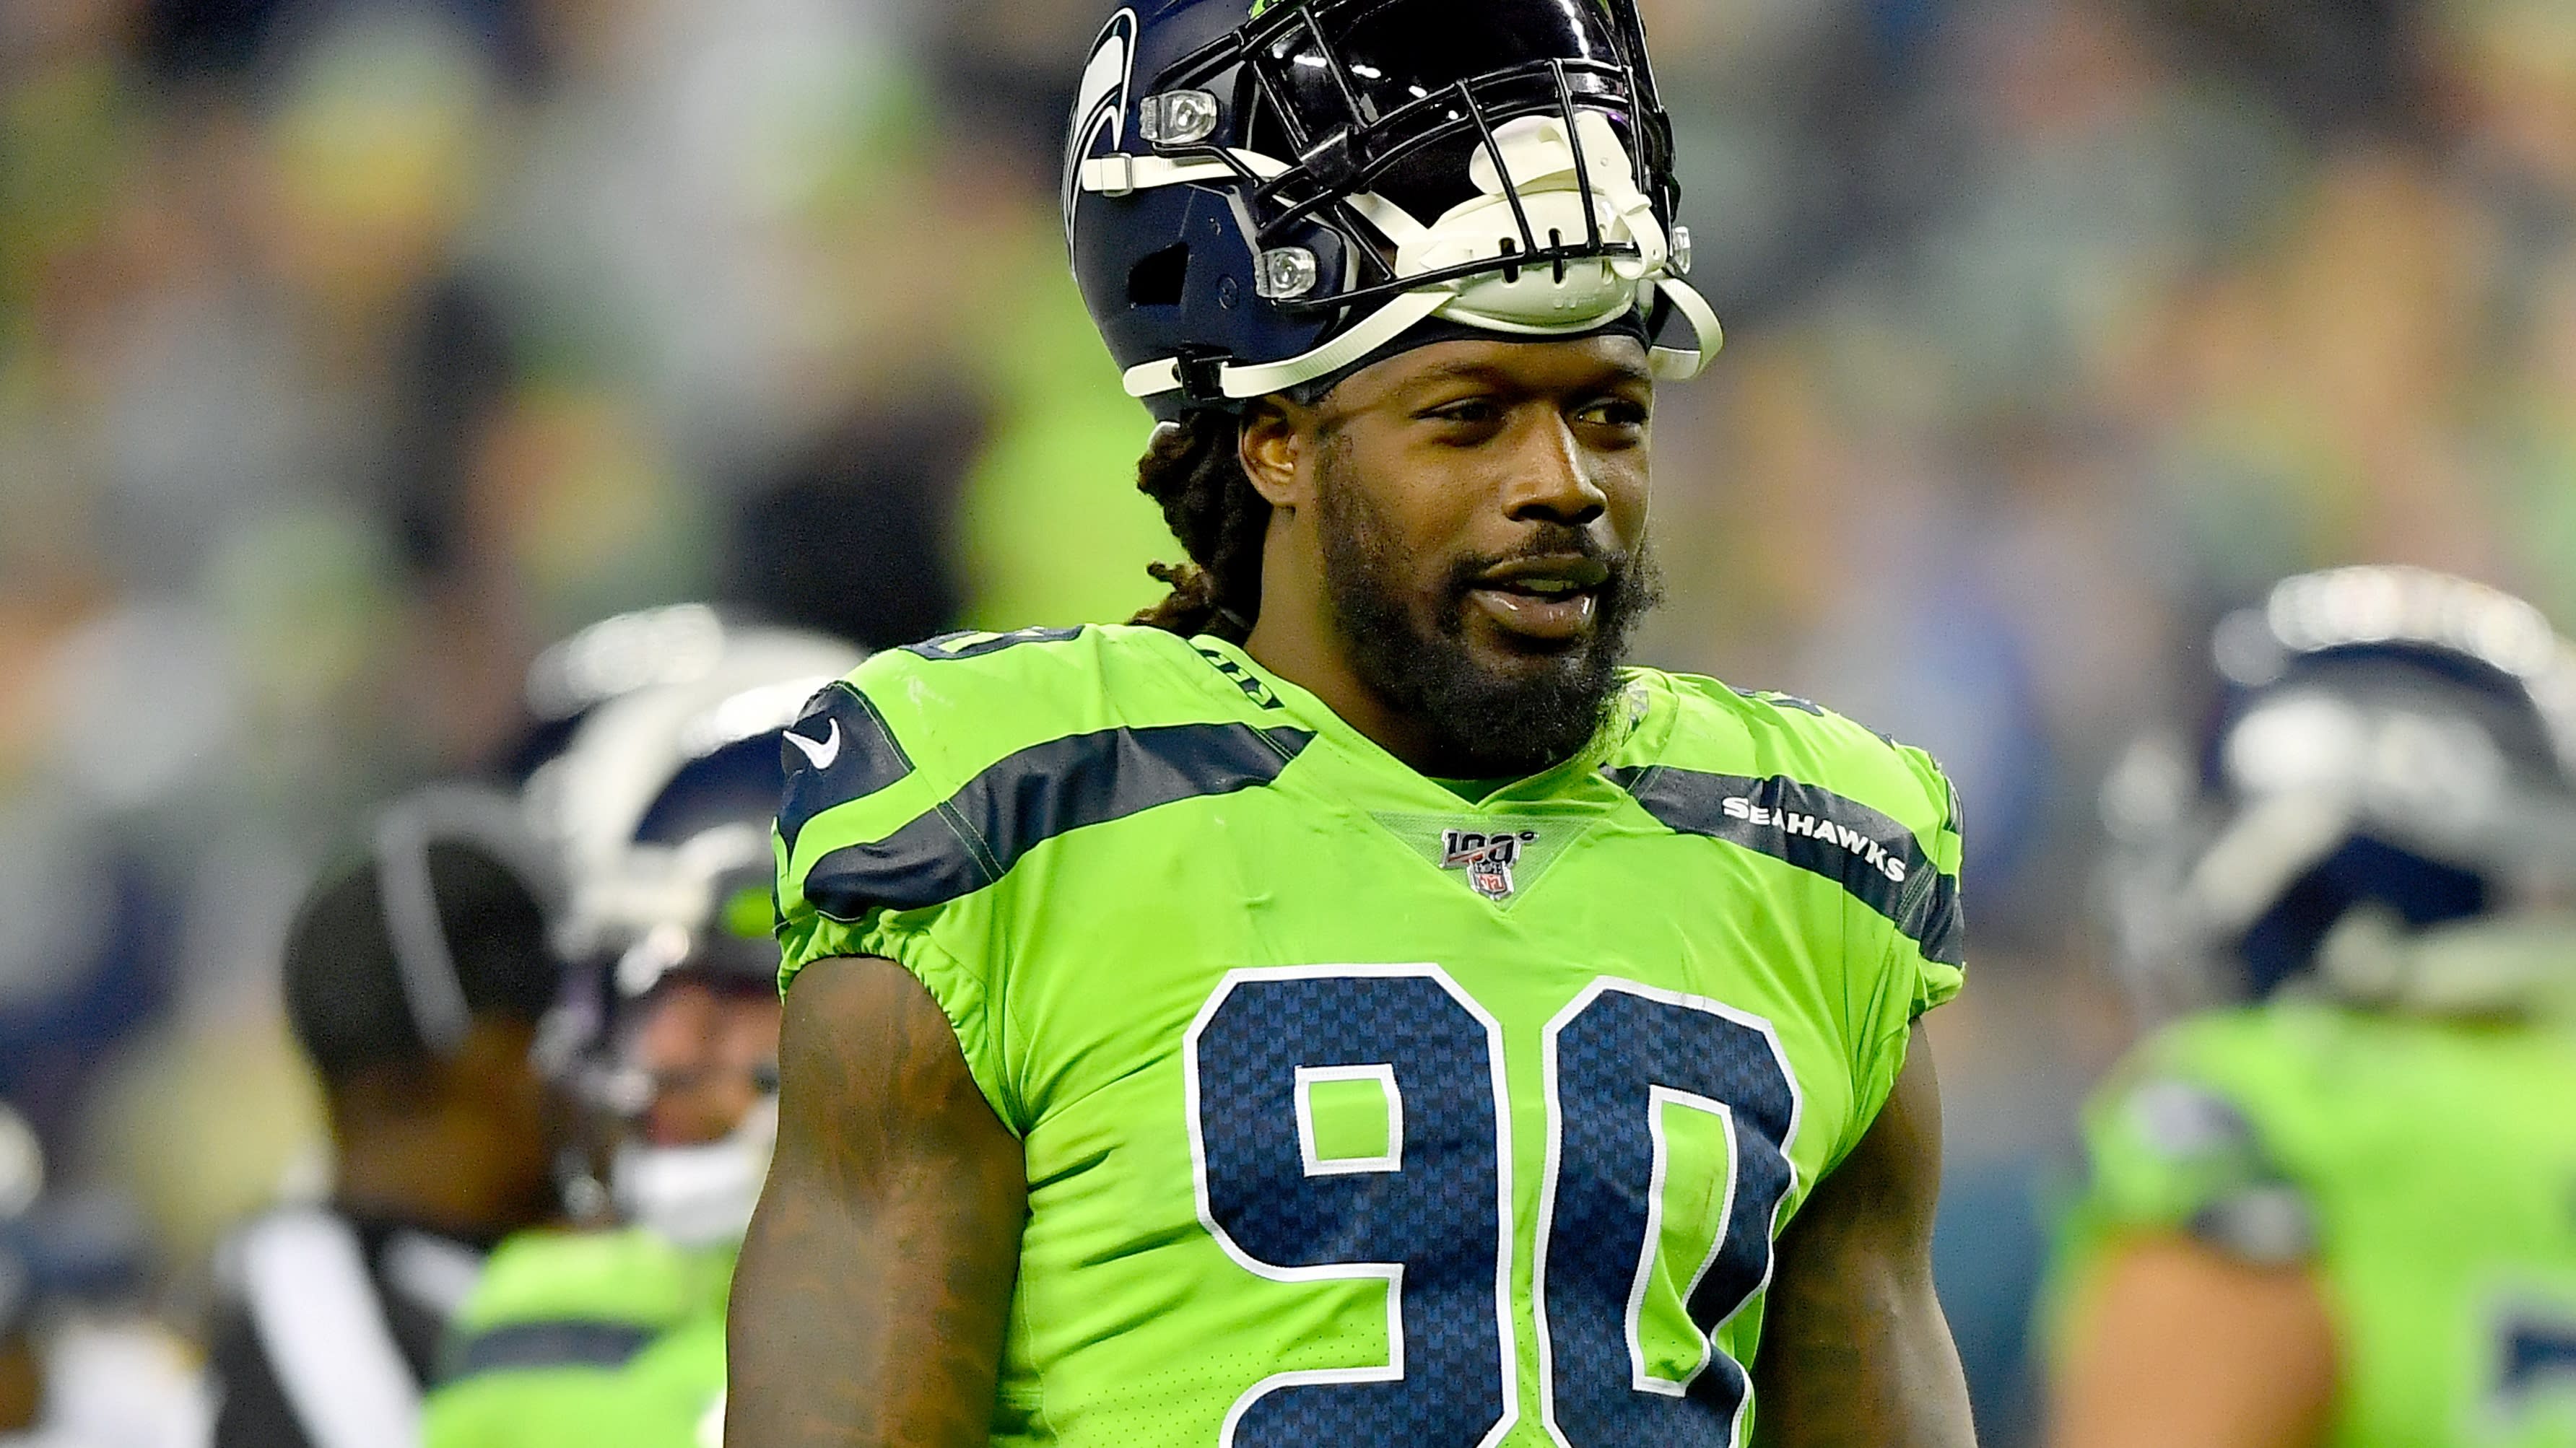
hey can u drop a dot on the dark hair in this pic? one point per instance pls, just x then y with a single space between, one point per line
348 995
1193 470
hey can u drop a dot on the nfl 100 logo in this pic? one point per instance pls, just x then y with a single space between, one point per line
1487 858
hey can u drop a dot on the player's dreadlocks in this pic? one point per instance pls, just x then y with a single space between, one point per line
1194 472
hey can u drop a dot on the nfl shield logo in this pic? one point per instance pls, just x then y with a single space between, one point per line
1487 859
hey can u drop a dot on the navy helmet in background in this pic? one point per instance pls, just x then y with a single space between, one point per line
659 806
669 644
2380 803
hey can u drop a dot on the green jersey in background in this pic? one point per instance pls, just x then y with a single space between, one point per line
587 1340
1358 1107
2423 1170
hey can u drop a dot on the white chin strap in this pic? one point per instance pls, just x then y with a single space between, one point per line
698 1196
1538 167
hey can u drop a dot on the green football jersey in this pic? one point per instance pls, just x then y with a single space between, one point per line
1356 1111
2423 1170
613 1339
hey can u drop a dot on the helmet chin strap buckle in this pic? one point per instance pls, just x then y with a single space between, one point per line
1201 376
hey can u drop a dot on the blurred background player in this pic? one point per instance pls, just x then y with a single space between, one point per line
415 979
661 803
84 1360
22 1177
2336 1204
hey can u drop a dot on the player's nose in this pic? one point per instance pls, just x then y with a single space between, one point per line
1550 477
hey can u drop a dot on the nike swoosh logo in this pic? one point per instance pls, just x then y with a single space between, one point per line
819 753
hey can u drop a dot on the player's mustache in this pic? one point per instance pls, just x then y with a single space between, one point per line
1549 541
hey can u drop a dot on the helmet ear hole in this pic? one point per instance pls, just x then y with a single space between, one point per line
1159 279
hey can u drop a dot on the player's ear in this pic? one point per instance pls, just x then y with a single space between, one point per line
1270 445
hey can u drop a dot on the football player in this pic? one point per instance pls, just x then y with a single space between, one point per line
2336 1202
22 1179
613 1333
1348 1005
415 978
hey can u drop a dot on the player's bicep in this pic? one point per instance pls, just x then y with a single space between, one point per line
2177 1342
870 1300
870 1075
1854 1347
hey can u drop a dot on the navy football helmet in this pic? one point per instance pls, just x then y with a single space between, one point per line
660 806
1261 193
2387 772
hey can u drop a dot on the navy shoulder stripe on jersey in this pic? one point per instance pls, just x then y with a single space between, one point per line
2536 1355
839 750
974 838
975 644
1785 701
1875 858
538 1346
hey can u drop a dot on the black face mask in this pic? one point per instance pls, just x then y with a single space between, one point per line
1484 724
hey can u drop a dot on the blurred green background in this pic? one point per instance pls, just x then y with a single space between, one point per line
352 352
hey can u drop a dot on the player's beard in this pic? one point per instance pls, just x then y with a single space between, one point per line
1484 723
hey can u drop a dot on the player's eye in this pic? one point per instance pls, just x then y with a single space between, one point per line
1464 412
1613 412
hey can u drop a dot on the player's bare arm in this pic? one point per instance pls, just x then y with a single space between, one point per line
1855 1350
882 1256
2255 1344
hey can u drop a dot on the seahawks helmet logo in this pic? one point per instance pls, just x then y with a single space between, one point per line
1099 104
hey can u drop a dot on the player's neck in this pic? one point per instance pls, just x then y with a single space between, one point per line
1295 640
1320 670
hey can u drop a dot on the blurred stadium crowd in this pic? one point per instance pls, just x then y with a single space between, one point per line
350 353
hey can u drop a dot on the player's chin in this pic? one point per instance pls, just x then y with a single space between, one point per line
1516 664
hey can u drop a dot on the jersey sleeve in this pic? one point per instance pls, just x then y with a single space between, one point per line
1920 961
872 860
1786 778
2178 1143
893 836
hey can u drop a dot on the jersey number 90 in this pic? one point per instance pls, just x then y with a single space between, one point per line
1432 1215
